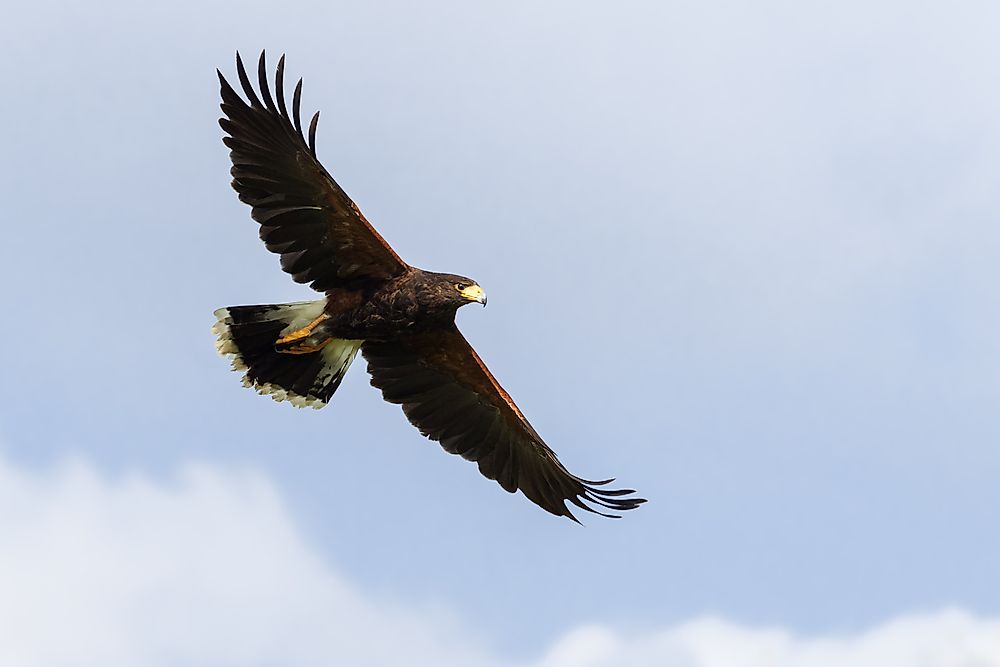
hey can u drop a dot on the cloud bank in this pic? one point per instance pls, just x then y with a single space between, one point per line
207 568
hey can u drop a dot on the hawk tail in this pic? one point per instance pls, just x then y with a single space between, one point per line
279 352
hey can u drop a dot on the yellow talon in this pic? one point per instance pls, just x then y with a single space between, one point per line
306 348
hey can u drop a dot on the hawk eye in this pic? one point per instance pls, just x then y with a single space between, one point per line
460 286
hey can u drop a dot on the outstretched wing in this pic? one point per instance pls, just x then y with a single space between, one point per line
448 393
305 216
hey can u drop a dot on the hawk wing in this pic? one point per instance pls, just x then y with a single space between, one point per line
305 217
448 393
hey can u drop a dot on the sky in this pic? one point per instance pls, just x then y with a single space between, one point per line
741 257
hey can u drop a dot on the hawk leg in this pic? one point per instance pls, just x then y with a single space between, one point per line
302 341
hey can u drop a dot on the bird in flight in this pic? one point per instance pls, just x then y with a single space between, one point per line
401 318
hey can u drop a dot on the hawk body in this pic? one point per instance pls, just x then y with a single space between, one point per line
401 318
416 302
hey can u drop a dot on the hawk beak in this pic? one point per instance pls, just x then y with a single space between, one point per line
474 293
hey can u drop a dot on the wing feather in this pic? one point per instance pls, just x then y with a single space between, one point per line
450 396
305 217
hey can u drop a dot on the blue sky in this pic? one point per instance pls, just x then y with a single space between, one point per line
742 258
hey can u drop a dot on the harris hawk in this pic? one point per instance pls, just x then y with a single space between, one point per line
401 318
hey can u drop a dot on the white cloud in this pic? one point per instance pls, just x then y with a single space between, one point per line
208 569
204 569
945 639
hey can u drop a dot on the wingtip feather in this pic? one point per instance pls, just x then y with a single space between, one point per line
245 82
265 89
312 132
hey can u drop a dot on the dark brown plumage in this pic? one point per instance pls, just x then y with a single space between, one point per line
401 318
